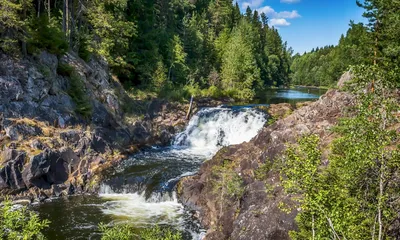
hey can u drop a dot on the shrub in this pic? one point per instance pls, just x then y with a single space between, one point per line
126 232
83 50
77 93
45 34
65 69
20 223
117 232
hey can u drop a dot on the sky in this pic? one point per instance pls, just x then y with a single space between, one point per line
307 24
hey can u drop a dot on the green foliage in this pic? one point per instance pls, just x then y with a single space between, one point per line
160 234
76 89
126 232
65 69
45 34
112 31
20 223
353 196
229 183
77 92
239 68
324 66
174 48
262 171
117 232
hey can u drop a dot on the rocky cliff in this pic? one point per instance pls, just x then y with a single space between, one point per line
256 212
64 120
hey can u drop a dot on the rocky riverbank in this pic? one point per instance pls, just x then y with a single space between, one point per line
255 212
54 141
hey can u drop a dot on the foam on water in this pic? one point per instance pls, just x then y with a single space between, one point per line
212 128
134 207
208 131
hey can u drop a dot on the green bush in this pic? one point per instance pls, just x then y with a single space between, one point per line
77 93
126 232
83 50
117 232
20 223
45 34
64 69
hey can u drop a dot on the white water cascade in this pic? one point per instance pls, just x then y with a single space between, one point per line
154 173
213 128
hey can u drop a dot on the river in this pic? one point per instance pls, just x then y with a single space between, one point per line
141 190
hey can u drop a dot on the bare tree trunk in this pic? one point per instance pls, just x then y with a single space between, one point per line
64 17
313 230
190 108
23 47
48 8
38 10
72 27
380 204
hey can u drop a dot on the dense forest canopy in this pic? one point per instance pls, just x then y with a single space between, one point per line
376 42
183 47
159 45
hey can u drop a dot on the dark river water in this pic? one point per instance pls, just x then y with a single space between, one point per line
141 190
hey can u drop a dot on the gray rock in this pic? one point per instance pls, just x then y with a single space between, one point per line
50 167
10 174
345 78
49 60
17 131
37 144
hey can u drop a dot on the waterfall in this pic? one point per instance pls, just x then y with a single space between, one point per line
212 128
143 188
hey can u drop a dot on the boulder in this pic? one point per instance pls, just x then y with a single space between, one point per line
345 78
280 110
50 167
10 174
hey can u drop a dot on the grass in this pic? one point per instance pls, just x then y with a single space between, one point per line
47 130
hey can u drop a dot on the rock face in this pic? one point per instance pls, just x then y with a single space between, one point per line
47 148
258 213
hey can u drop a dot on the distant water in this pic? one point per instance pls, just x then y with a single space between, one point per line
292 96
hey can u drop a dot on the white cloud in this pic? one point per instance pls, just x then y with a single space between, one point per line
252 4
271 13
287 14
279 22
290 1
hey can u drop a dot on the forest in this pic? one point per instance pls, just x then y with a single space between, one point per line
377 41
178 48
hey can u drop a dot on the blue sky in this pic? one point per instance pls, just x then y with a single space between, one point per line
306 24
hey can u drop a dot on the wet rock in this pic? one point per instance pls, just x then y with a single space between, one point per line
258 215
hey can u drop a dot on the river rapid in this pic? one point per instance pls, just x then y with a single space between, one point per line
141 190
